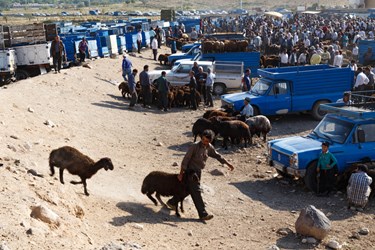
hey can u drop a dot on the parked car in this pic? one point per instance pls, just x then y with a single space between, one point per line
228 75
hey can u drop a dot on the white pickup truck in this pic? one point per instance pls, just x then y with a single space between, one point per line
228 75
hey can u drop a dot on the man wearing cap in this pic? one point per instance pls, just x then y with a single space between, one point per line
358 189
247 110
126 67
326 170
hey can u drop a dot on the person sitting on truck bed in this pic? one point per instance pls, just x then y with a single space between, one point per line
326 171
370 76
345 99
246 110
358 189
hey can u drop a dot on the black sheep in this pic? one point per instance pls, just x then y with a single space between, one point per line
165 184
236 130
201 125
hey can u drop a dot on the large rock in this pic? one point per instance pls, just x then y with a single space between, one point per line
46 215
313 222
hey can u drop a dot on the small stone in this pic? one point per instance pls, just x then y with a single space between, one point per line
197 244
333 244
31 110
190 233
293 211
284 231
50 123
311 240
259 161
234 234
29 231
33 172
14 137
268 171
138 226
160 144
364 231
217 172
355 235
175 164
273 247
304 241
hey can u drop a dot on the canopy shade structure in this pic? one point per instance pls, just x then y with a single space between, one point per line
274 14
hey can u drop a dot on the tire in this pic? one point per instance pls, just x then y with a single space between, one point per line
310 177
219 88
316 112
21 74
281 173
256 111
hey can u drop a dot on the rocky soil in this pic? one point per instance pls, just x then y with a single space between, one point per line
82 107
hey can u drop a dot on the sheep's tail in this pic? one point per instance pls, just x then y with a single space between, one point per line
51 163
144 188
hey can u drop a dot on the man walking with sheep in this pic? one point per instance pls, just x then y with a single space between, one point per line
192 165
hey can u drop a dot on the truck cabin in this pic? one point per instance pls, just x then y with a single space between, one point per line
270 88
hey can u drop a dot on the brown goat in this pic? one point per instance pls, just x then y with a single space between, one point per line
77 164
210 113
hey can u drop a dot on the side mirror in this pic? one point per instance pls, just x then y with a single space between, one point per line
361 135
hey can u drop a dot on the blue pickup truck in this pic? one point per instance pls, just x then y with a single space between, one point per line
194 50
350 130
294 89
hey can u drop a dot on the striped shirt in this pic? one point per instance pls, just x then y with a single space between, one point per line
359 189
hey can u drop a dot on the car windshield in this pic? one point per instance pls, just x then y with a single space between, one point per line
333 130
260 87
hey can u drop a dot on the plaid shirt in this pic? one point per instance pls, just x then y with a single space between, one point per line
359 188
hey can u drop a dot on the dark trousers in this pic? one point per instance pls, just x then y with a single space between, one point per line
193 101
57 62
82 56
155 52
139 45
202 91
327 180
209 100
146 91
195 191
163 100
133 99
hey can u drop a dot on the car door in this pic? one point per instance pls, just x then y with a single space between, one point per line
278 99
366 148
181 75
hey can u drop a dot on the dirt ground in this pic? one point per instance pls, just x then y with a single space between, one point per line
85 110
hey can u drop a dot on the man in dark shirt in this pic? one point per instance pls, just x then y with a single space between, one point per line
201 81
57 52
192 165
193 86
144 80
163 88
132 90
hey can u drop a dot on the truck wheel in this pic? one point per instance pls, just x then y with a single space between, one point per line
256 111
21 74
219 88
310 176
316 112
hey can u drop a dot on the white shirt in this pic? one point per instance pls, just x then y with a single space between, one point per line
337 61
247 111
284 58
355 51
154 43
210 80
361 80
139 36
302 58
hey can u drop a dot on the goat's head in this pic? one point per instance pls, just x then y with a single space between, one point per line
106 163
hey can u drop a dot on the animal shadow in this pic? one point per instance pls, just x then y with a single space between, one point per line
140 213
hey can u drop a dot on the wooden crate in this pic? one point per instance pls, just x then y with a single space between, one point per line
24 34
51 31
